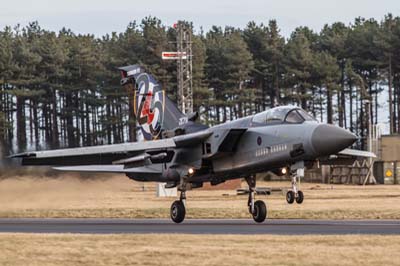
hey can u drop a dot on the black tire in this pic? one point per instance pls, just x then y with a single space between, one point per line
300 197
178 211
290 197
260 211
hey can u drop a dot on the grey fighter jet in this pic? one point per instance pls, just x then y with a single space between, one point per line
182 153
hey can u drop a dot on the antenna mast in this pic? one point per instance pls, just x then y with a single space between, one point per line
184 66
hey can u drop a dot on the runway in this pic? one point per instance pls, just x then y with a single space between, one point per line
197 226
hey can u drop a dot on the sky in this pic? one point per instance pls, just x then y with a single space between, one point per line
104 16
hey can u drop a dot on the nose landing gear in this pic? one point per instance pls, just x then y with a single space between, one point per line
292 197
295 194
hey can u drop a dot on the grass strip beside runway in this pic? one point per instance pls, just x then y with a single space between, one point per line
177 249
119 197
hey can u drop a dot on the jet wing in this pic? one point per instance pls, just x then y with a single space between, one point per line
357 153
107 154
102 149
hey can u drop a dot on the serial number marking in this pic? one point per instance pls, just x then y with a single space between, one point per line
270 150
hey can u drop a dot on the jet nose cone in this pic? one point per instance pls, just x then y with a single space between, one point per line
329 139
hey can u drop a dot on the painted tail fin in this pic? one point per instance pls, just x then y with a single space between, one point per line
154 111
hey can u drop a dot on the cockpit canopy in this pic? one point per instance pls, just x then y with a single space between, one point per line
282 114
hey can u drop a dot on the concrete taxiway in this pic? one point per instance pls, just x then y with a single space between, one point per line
200 226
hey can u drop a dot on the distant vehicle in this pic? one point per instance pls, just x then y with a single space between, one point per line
184 154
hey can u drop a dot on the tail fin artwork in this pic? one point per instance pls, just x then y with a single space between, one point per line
154 111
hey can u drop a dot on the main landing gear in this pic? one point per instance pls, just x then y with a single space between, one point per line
257 209
178 210
295 194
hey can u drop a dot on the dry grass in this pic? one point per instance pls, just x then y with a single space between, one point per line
120 197
33 249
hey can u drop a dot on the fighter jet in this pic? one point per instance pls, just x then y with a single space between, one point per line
183 153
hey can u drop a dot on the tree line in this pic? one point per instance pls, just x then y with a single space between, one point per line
61 89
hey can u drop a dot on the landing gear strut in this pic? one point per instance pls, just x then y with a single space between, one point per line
178 210
257 209
295 194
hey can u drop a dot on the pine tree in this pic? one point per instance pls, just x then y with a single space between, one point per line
298 66
238 66
214 71
325 75
332 39
201 93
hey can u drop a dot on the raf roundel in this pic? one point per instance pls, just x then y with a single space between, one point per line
259 141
